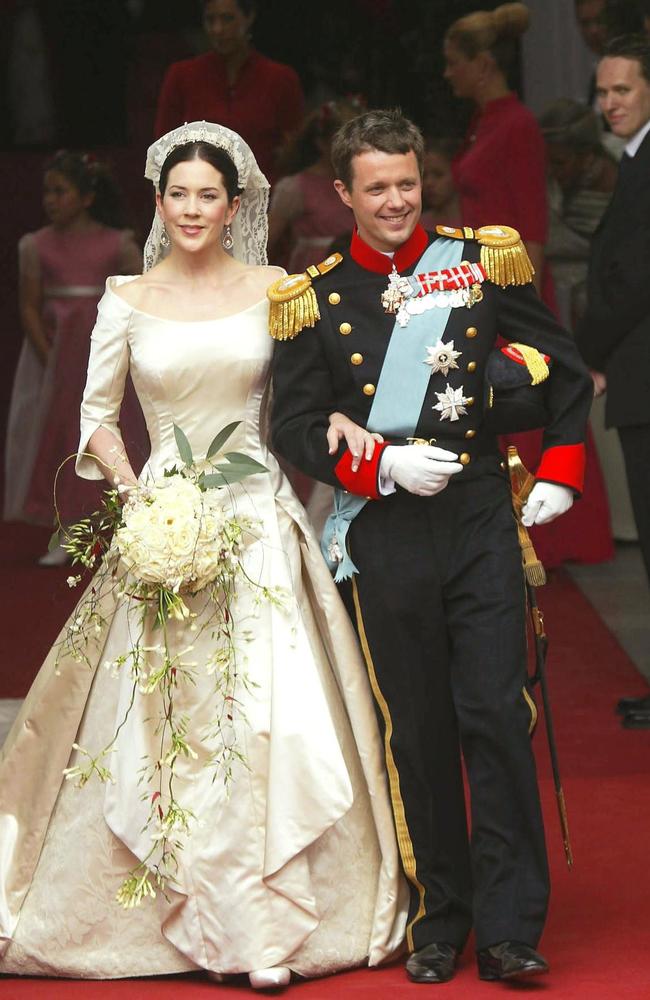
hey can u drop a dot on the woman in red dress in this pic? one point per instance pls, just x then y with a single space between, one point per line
234 85
500 174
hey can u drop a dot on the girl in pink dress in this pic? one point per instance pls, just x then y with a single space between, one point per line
63 268
305 217
306 213
440 202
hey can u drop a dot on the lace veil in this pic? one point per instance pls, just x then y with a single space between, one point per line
250 225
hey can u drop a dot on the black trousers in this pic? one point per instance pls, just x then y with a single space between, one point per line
439 604
635 442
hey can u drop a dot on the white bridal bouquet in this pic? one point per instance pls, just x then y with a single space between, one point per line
181 537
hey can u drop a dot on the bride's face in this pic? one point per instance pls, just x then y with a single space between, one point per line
195 206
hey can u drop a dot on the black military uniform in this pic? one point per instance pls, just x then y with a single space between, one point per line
439 597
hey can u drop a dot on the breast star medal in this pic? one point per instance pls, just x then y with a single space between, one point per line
442 357
451 403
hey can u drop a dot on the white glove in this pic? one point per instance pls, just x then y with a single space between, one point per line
546 502
420 469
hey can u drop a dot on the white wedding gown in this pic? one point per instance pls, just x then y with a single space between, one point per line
298 866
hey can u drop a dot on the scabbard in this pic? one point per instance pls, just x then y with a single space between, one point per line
541 647
521 483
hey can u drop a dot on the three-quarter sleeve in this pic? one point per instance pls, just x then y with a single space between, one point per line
108 366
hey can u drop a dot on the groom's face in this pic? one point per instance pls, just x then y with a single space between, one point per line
386 197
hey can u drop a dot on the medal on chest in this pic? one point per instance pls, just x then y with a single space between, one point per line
451 287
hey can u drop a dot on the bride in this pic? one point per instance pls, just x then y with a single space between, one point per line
293 866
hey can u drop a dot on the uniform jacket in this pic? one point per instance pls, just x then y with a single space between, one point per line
614 334
336 366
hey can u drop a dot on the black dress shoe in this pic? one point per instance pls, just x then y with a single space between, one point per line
435 963
510 960
625 705
636 720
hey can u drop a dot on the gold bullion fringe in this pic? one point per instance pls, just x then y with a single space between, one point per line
534 362
533 568
507 265
287 318
404 841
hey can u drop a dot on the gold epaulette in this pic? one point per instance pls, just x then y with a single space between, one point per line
293 300
503 254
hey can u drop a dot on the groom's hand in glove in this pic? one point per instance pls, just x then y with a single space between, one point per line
420 469
546 502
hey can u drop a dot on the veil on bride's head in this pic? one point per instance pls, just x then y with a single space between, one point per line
250 226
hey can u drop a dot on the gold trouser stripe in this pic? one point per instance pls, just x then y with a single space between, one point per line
403 836
533 711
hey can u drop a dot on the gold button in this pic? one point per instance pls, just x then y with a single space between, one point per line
345 329
471 366
469 401
470 434
471 331
464 459
356 359
333 298
369 389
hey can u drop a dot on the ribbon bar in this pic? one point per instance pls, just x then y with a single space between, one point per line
464 275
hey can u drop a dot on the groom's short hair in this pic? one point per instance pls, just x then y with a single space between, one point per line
386 130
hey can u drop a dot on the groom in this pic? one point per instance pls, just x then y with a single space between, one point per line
404 327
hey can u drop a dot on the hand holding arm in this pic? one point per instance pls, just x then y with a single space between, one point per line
360 441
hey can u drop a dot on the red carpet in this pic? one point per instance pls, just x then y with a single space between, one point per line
598 932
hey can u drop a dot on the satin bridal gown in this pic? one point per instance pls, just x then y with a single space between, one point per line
298 864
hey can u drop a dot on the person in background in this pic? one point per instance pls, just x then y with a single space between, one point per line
306 216
63 268
582 175
500 174
439 196
600 20
306 213
234 84
500 168
592 23
614 335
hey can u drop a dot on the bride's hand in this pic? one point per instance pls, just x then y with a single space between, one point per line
360 441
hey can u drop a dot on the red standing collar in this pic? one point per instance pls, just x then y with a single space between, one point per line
405 257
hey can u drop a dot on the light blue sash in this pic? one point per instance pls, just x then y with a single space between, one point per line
399 398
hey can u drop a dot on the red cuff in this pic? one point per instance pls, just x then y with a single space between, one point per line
564 464
365 481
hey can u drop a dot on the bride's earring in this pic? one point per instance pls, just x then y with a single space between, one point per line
226 239
164 237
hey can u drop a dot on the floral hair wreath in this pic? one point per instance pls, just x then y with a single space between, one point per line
250 225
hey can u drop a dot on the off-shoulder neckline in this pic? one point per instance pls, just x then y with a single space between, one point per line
164 319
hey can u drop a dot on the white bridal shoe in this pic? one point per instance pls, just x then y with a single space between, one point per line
269 979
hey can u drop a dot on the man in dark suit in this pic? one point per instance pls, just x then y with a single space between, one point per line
614 335
424 537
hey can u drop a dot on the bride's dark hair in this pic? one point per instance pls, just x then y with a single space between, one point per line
214 155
